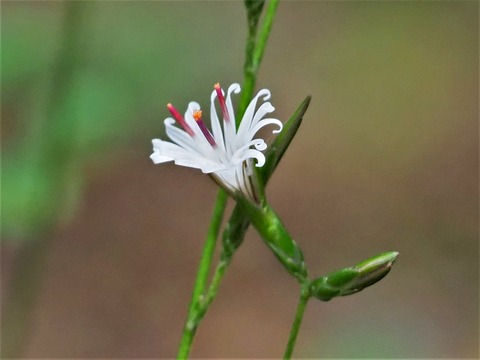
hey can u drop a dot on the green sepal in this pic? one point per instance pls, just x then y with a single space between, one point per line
278 147
332 285
238 223
275 236
341 277
323 291
385 259
254 10
371 271
351 280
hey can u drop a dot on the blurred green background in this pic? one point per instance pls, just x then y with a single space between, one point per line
386 159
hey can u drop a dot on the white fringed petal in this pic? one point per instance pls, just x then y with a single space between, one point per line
265 122
215 123
230 159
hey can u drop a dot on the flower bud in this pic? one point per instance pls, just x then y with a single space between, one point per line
371 271
275 236
353 279
322 290
238 223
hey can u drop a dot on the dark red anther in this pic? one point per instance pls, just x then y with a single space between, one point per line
221 100
197 115
176 115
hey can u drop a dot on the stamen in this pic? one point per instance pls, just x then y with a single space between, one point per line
197 115
180 119
221 100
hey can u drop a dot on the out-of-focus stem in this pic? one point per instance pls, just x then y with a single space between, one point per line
53 152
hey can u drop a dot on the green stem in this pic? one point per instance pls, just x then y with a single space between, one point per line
302 304
199 304
215 283
191 322
254 58
264 33
197 310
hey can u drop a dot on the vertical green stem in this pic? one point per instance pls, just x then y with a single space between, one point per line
199 304
302 304
264 33
217 278
191 322
212 291
254 58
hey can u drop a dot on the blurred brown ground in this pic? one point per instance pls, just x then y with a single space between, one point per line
387 159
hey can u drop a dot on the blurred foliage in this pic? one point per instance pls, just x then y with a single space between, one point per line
115 88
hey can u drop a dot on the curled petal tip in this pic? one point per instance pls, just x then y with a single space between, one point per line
223 150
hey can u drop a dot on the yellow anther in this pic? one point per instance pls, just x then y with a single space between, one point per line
197 115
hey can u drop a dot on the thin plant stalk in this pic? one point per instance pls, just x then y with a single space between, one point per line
191 323
254 58
200 302
297 322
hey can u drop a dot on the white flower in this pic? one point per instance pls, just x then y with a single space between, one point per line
226 153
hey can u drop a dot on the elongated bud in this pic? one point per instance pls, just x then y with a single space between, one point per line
277 238
370 271
353 279
238 223
282 141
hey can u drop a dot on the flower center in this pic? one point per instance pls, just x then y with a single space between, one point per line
197 115
221 100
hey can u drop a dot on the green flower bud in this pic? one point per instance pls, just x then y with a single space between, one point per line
371 271
353 279
282 141
342 277
238 223
322 290
277 238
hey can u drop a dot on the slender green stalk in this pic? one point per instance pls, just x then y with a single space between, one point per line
201 301
302 304
254 58
215 283
264 33
191 322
